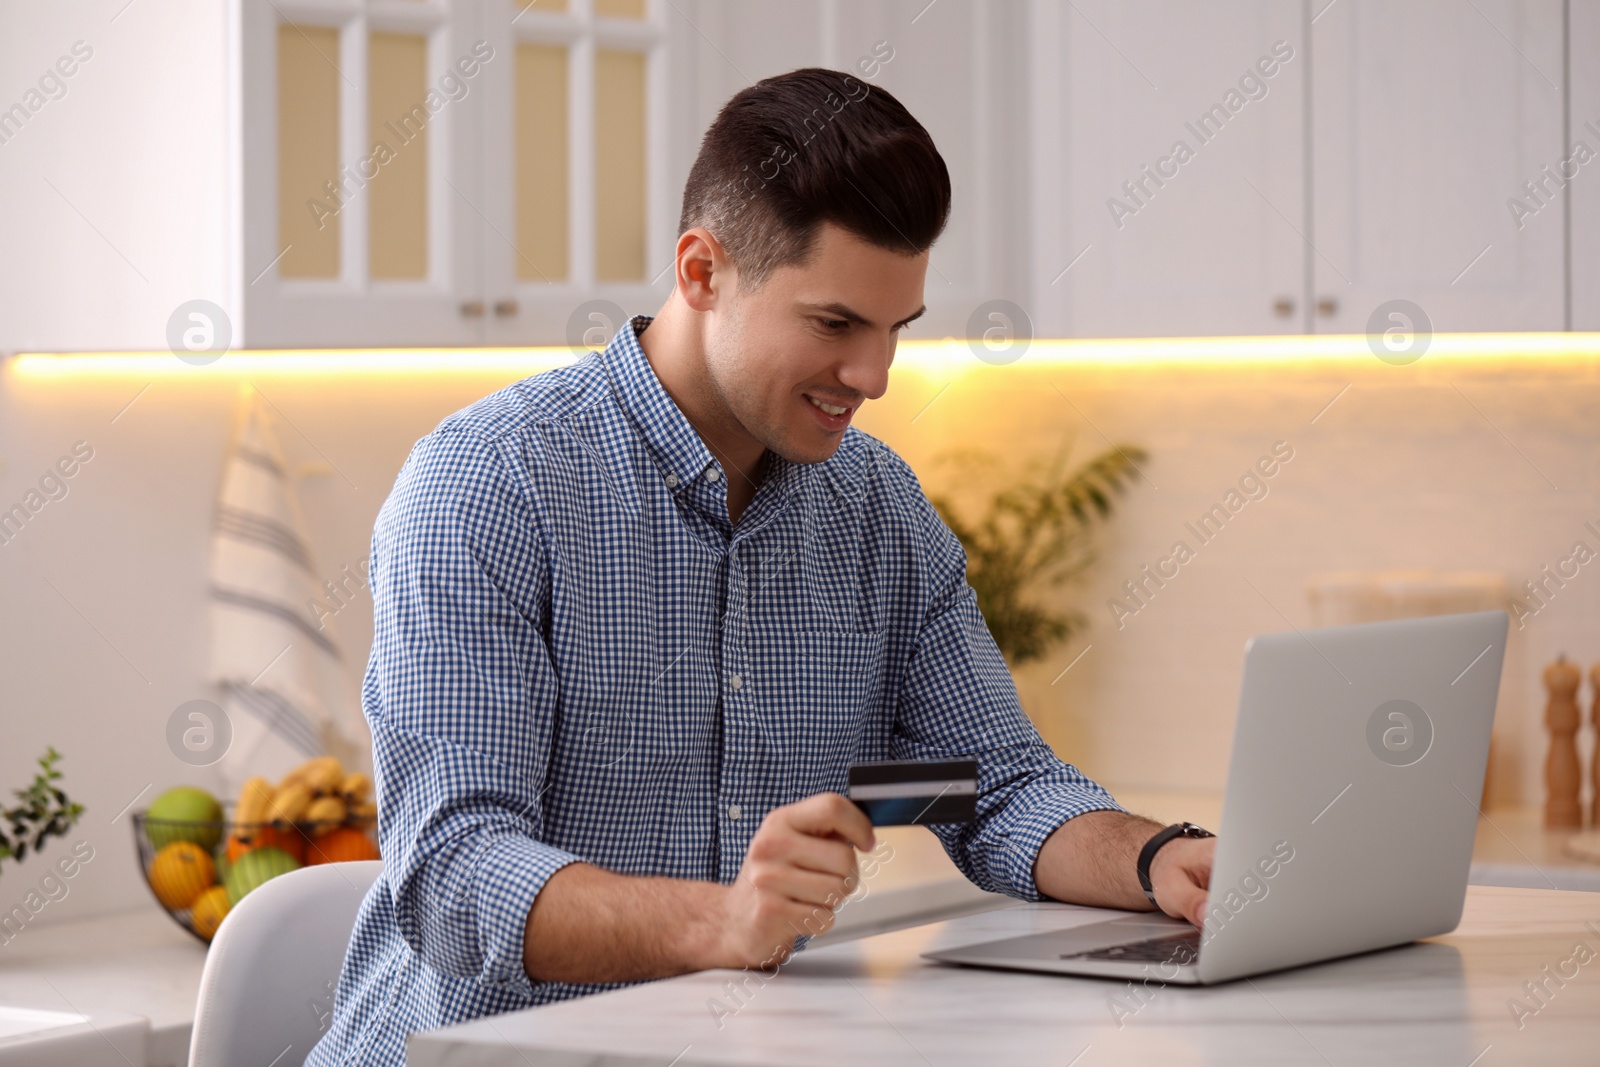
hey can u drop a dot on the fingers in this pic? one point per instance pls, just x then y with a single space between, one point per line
810 888
1181 883
1185 900
825 814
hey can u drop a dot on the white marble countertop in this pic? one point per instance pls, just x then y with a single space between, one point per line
874 1000
137 962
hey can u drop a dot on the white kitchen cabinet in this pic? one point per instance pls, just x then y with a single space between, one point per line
334 172
1168 179
539 175
359 146
1429 120
1379 164
1377 160
1583 45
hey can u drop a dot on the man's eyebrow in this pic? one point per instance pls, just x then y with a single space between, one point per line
843 311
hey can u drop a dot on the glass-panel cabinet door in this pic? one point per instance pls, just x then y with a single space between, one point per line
574 185
360 161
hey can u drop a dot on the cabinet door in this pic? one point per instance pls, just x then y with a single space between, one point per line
578 219
1432 120
1583 45
1168 167
358 126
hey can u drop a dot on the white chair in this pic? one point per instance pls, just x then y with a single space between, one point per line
266 993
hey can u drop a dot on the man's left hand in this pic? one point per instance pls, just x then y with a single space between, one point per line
1180 876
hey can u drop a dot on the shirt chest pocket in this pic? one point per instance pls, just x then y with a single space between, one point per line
830 687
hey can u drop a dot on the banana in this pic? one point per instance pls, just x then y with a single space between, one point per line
356 787
254 799
326 810
324 775
289 804
364 813
321 774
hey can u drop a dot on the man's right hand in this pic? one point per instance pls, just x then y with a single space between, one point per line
799 867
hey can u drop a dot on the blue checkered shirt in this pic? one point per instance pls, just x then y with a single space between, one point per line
578 657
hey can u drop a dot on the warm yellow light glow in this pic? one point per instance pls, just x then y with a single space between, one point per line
1289 350
945 356
294 363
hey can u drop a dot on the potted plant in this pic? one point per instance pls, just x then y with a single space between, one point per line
44 812
1034 535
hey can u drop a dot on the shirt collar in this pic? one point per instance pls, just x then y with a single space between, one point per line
679 454
675 446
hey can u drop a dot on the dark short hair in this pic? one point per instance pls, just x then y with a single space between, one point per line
814 145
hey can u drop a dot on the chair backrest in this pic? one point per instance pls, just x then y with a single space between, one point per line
266 993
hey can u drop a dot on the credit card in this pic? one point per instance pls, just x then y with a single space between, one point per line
915 792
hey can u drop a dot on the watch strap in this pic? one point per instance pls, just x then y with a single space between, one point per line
1148 854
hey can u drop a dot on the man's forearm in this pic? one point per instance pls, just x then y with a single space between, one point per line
1090 859
592 925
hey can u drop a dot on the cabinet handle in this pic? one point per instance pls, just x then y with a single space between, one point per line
505 308
1327 306
472 309
1283 307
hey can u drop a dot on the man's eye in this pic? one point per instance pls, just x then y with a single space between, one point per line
835 324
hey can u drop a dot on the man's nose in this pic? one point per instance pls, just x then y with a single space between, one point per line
866 369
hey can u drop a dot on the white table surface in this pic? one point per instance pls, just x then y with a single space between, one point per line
140 962
874 1000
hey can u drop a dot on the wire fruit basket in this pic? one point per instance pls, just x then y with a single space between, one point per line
198 869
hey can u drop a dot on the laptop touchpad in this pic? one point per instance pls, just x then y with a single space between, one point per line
1091 936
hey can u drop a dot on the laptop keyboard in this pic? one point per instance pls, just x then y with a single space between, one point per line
1181 949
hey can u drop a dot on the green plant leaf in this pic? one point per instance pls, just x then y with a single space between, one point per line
1035 534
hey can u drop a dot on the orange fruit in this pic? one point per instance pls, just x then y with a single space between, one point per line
180 872
344 845
290 840
207 911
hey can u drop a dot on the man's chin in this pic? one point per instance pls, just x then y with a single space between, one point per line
813 451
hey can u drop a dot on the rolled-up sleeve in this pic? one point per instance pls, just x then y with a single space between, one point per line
462 699
959 699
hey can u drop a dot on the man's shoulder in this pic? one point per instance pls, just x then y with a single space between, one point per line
495 440
517 408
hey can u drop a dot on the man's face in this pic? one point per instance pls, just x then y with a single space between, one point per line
826 330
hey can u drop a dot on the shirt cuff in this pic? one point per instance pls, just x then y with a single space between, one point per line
1044 814
510 872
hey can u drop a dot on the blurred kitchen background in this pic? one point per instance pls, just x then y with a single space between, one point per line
1096 286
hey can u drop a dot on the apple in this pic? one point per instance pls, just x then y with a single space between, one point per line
184 803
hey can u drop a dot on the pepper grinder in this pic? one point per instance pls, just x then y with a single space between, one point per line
1594 755
1562 775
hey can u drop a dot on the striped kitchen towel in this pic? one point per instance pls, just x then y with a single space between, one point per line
275 656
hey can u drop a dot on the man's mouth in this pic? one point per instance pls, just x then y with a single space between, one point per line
835 410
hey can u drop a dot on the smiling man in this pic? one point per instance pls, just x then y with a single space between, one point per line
636 617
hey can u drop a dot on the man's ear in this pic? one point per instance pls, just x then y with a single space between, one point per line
704 273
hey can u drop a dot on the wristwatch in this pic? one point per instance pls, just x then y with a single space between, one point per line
1148 853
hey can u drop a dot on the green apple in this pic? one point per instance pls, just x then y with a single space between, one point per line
184 803
257 866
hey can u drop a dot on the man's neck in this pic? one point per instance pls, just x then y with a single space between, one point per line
675 353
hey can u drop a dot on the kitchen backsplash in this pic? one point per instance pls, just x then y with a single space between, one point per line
1315 467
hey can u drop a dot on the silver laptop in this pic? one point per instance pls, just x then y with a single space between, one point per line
1349 816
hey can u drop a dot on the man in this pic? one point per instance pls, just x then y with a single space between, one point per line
636 617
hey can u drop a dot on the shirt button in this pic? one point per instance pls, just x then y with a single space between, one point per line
736 682
672 480
734 811
712 475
